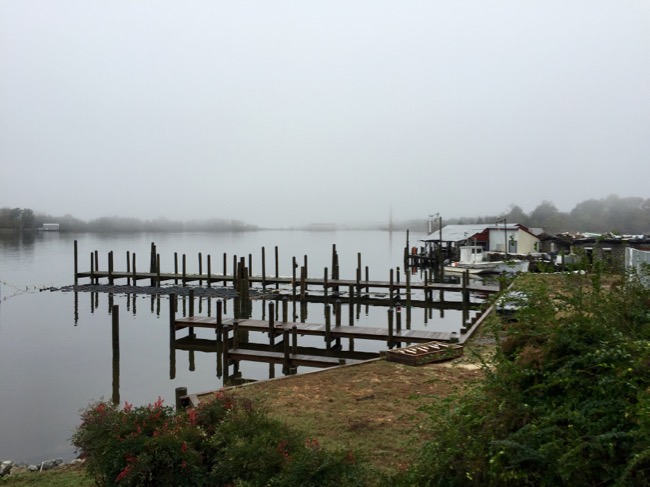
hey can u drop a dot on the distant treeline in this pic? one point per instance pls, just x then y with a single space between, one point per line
26 219
622 216
627 216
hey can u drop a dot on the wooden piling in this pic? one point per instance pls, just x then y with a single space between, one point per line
179 393
391 337
224 340
328 327
110 268
235 335
287 351
176 267
337 312
271 324
184 269
303 283
200 269
128 267
235 272
209 271
219 319
285 309
76 264
225 266
158 270
294 339
263 268
351 305
277 268
367 280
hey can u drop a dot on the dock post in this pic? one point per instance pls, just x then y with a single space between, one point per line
250 269
184 269
225 267
209 271
367 281
285 309
116 352
277 269
172 314
397 282
200 269
76 264
219 319
158 270
294 340
287 356
235 335
226 360
328 327
407 275
398 312
110 268
293 276
391 287
96 266
303 283
351 304
263 268
325 290
179 393
271 324
191 300
465 283
337 312
128 267
235 272
391 337
175 267
135 273
359 281
152 264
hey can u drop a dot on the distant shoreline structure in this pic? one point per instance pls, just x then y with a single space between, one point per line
49 227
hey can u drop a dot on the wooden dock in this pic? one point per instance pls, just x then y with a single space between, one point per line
320 330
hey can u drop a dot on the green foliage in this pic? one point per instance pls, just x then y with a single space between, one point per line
222 442
566 398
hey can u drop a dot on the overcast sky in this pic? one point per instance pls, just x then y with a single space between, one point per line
285 112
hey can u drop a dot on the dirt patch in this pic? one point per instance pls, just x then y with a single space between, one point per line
378 408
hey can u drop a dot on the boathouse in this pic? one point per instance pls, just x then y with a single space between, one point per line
491 237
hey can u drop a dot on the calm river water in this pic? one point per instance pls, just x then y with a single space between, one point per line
55 350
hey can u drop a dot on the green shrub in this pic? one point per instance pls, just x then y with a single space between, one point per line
223 442
565 402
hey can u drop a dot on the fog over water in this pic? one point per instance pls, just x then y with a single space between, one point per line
283 113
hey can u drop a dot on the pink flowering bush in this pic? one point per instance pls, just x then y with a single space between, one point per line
223 442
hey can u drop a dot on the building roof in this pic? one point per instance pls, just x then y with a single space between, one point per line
456 233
